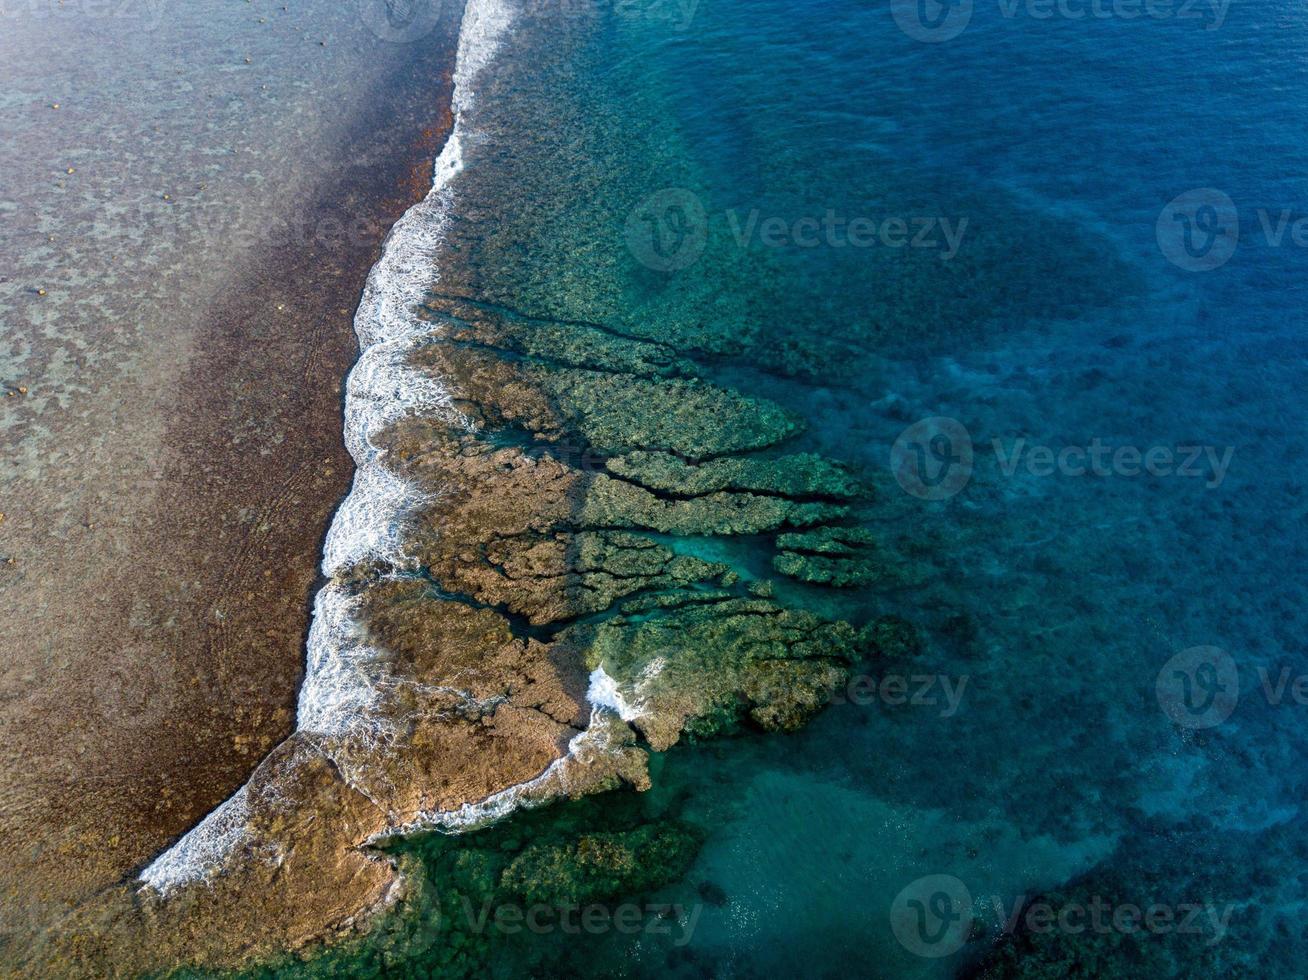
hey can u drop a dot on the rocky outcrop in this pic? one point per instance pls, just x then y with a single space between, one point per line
541 623
835 556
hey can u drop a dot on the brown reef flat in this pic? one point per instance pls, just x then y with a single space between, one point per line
535 573
554 619
154 625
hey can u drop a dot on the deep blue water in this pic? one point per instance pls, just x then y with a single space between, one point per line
1060 597
1069 739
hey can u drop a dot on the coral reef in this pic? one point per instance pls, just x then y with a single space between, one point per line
538 508
836 556
597 866
532 631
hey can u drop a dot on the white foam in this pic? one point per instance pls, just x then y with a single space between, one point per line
204 848
343 686
604 690
339 695
630 703
557 780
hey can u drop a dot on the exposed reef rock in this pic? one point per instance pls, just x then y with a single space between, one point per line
801 475
836 556
538 535
702 667
842 541
612 412
533 632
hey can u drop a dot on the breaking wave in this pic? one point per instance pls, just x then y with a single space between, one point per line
341 694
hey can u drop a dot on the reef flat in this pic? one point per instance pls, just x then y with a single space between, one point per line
541 636
175 337
543 640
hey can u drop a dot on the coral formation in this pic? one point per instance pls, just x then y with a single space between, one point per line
837 556
536 626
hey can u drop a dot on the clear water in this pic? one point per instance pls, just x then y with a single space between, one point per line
190 198
1068 315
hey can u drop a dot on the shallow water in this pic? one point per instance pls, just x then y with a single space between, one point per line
190 198
630 166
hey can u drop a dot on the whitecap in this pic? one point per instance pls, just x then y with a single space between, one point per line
344 677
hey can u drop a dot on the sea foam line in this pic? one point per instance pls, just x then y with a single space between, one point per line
556 780
339 696
605 691
202 850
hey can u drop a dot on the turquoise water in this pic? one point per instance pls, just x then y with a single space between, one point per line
874 229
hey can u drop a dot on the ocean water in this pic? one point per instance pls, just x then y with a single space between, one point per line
190 199
1033 270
